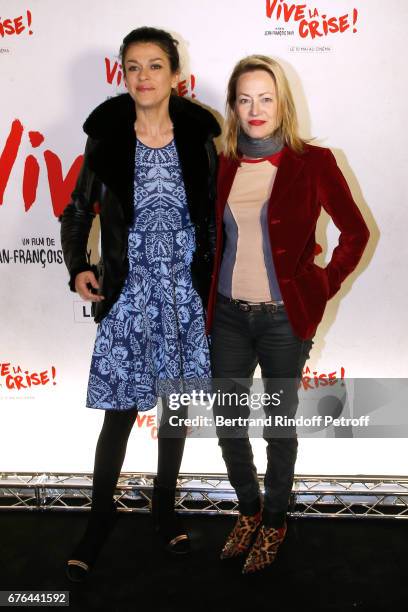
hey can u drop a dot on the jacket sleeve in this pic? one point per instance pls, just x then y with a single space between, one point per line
336 199
76 220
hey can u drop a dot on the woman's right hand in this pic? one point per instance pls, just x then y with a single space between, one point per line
82 280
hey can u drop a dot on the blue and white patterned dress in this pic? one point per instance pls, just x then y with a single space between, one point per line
154 334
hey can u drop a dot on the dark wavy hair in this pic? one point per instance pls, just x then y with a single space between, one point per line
161 38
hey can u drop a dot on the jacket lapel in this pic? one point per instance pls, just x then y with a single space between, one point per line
188 160
291 165
190 137
227 171
113 161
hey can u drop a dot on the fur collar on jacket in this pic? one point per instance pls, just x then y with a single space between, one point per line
118 113
112 154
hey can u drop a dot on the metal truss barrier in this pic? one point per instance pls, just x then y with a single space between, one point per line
367 497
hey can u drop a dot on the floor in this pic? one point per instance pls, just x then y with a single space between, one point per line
324 564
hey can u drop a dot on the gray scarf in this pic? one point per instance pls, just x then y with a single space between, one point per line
259 147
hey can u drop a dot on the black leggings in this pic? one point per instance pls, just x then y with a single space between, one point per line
111 450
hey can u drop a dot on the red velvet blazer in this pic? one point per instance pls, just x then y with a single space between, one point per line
303 184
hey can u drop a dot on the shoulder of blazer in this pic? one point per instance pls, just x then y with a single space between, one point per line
313 154
312 160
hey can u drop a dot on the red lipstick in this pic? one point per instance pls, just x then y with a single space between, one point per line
256 122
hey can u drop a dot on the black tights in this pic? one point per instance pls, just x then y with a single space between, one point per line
111 450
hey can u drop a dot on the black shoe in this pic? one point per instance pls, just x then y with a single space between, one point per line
99 526
167 526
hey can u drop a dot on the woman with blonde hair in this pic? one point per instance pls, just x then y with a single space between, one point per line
267 295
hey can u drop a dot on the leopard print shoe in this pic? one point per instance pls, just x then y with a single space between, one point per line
240 538
265 548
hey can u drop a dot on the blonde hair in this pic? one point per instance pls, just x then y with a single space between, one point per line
286 115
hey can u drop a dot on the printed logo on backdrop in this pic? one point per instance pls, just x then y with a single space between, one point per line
60 186
296 19
82 312
40 250
15 26
18 381
147 422
329 407
314 379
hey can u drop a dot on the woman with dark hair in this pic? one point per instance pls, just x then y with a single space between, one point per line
268 294
149 171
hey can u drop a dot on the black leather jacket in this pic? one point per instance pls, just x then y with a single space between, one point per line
105 185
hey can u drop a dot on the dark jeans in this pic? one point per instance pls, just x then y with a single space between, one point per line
240 341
